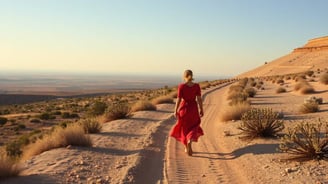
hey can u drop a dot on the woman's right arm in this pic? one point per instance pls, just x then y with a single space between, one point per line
176 109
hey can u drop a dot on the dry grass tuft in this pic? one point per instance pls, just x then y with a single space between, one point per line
162 99
116 111
91 126
143 106
309 108
306 141
304 87
235 111
8 167
324 78
251 92
61 137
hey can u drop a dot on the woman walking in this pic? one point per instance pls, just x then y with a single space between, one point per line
187 129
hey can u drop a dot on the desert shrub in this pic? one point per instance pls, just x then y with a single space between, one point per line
8 167
237 99
260 123
35 120
306 141
281 90
280 81
61 137
313 99
324 78
304 87
21 126
98 108
143 105
116 111
64 124
46 116
236 88
91 125
3 120
251 92
309 73
162 99
253 84
13 149
235 111
309 108
67 115
56 113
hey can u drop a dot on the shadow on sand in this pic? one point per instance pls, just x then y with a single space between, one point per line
256 149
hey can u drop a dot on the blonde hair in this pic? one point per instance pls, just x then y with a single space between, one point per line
188 75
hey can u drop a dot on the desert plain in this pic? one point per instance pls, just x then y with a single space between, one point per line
137 148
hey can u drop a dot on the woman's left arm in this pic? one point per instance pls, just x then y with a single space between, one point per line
200 105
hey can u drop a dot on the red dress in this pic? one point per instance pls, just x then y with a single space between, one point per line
188 124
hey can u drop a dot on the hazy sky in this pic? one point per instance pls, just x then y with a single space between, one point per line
211 37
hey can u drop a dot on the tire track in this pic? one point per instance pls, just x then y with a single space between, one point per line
208 164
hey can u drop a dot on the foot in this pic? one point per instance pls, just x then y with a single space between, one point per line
189 149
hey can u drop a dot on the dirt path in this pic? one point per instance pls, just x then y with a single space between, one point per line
209 162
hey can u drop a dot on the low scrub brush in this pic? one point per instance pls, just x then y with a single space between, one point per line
116 111
260 123
306 141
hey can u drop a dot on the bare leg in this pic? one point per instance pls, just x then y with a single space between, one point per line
189 149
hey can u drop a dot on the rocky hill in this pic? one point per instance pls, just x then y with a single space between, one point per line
312 56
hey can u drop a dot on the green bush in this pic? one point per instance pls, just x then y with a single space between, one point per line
306 140
260 123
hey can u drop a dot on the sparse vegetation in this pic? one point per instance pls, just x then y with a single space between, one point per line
8 167
235 111
98 108
260 123
116 111
306 141
162 99
309 108
251 92
304 87
61 137
143 106
91 125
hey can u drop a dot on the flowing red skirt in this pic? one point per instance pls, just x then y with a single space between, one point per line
188 123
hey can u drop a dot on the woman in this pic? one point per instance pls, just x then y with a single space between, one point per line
187 129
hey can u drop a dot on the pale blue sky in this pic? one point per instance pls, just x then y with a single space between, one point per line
211 37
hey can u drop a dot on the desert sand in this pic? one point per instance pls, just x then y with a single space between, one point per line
139 150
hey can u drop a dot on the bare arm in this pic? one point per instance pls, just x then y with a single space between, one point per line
200 105
176 109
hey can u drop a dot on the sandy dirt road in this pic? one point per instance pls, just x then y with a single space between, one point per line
209 163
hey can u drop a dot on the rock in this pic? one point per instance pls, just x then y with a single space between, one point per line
81 162
265 167
68 147
290 170
203 175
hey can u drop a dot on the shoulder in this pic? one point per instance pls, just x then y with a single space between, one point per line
181 85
